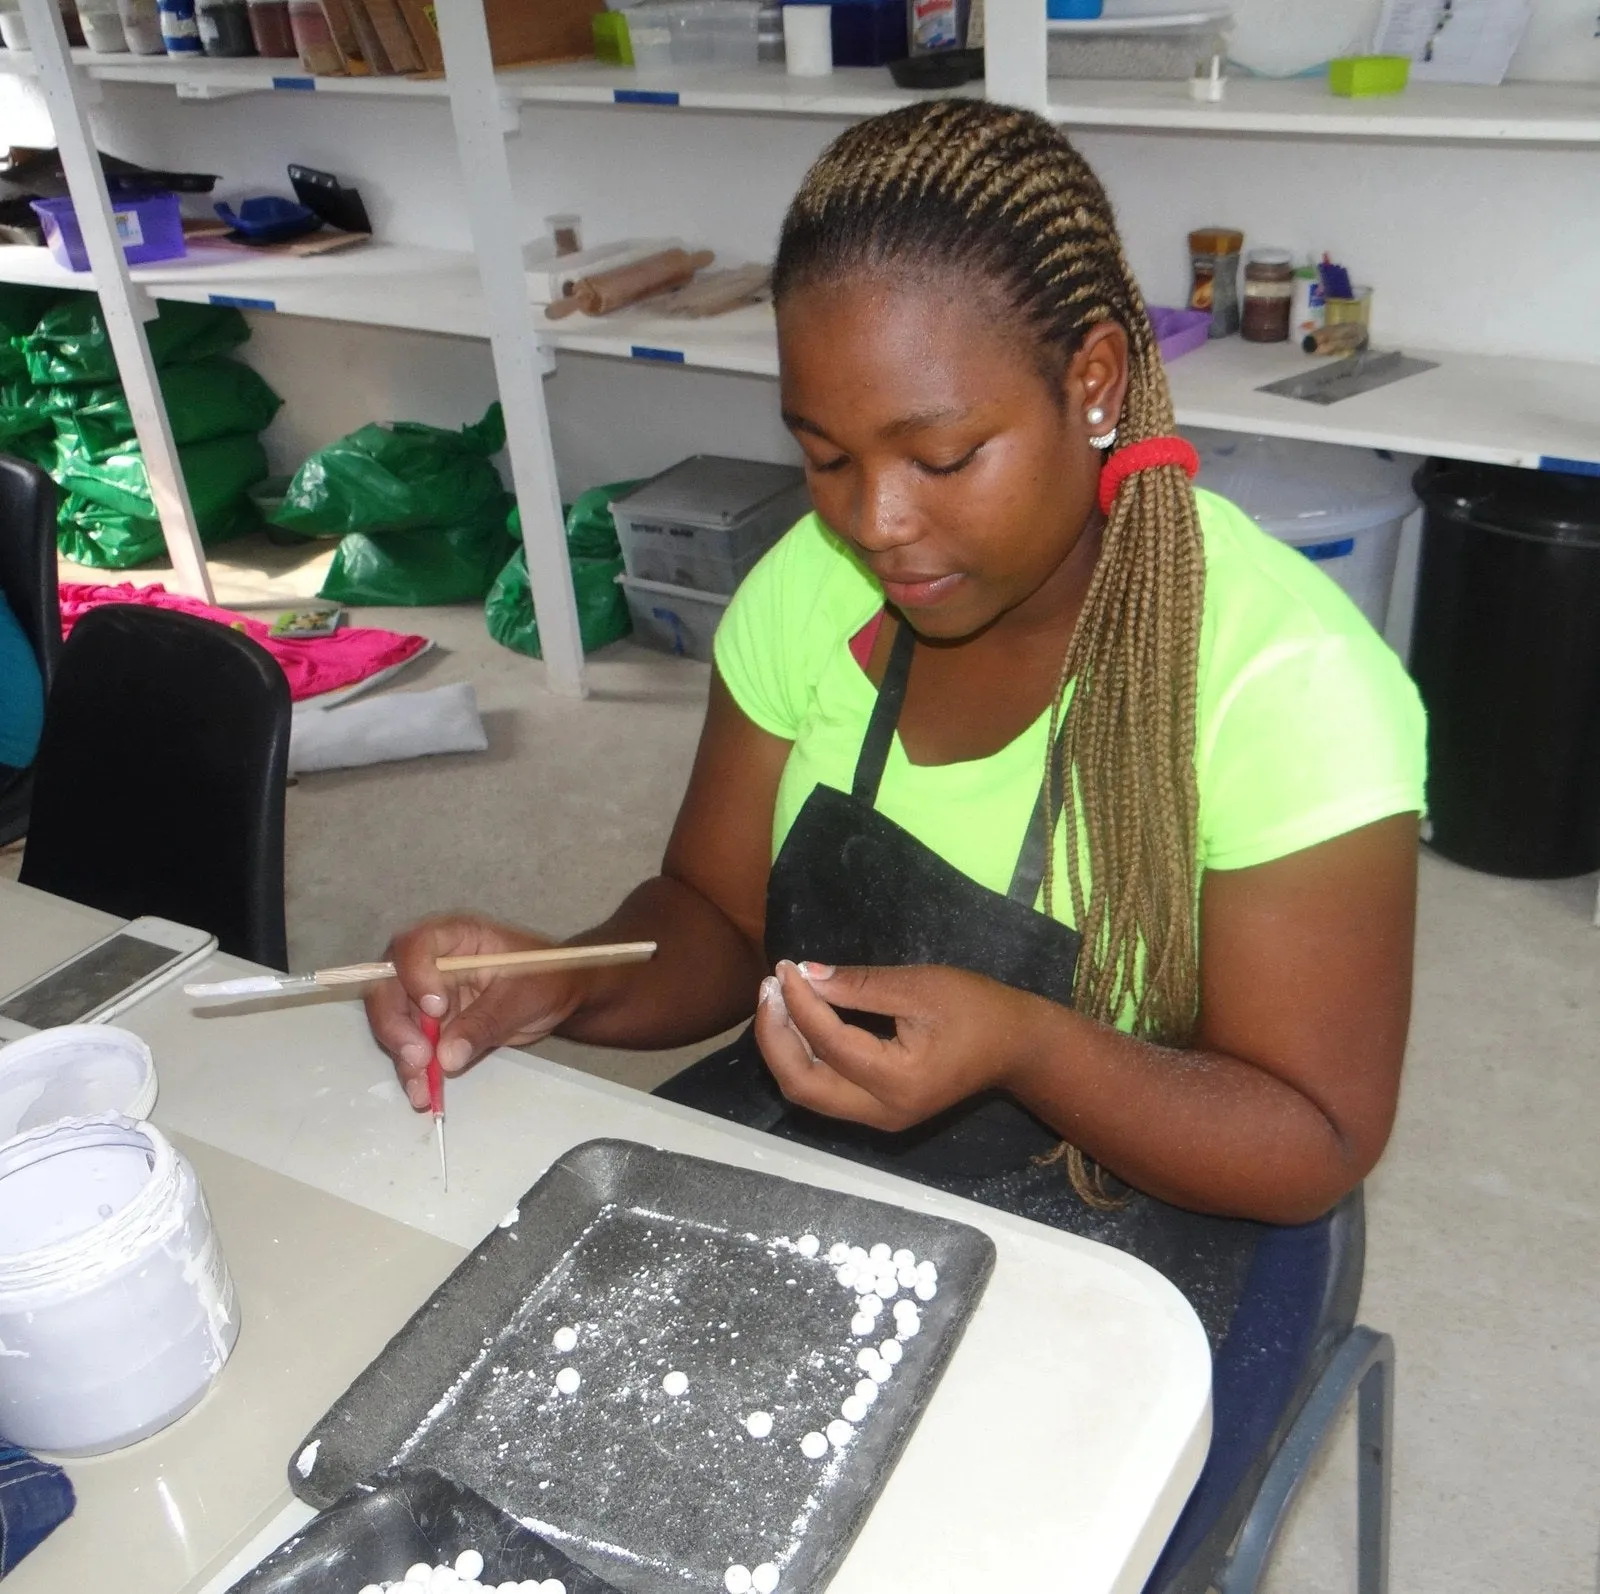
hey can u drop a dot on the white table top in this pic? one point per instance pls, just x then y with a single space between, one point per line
1057 1451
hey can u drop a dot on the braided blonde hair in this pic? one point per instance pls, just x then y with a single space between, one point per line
999 195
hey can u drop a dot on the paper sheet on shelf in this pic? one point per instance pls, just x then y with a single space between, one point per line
1453 41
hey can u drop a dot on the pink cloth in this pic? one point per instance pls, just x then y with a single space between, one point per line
313 665
863 642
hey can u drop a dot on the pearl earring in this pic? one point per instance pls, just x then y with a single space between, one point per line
1096 416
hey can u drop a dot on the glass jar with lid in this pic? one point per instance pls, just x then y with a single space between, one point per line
1268 296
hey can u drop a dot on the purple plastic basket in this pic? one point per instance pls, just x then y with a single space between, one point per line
149 225
1179 332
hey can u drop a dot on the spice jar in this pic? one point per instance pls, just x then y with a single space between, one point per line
1268 296
269 27
1214 259
224 27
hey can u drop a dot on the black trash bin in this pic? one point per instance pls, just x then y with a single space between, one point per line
1506 653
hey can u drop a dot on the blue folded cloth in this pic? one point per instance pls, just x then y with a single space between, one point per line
35 1498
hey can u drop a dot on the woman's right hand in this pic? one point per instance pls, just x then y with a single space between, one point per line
478 1010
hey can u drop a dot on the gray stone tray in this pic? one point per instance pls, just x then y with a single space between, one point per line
661 1263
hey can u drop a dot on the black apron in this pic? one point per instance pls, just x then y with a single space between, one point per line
851 887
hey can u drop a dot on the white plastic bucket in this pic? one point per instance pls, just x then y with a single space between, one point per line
74 1071
1341 507
116 1307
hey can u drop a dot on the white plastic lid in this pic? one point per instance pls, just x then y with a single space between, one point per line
1305 492
74 1071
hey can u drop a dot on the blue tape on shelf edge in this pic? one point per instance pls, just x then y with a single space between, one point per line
296 85
644 96
1574 467
232 301
1318 551
639 351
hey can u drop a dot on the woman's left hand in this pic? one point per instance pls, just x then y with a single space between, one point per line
956 1034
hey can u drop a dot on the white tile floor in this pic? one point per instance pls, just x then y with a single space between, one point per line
1484 1258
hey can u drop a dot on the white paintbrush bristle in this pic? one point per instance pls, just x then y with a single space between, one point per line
256 985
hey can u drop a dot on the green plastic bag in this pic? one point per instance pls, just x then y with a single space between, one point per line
24 409
456 564
596 563
206 400
20 309
70 345
217 472
405 477
108 539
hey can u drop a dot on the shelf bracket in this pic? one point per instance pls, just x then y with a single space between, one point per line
521 359
124 307
189 89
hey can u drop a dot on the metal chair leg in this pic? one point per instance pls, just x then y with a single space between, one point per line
1364 1362
1374 1453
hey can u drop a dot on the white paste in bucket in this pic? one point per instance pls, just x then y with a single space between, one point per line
116 1307
74 1071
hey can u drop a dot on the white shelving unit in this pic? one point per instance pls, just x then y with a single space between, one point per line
1494 407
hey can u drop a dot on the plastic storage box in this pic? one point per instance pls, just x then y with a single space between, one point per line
1341 507
673 619
1137 41
704 523
150 227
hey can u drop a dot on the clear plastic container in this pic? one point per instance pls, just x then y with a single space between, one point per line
1341 507
704 523
736 32
650 37
673 619
1165 54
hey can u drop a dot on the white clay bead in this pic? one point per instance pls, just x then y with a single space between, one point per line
867 1358
879 1253
890 1351
854 1408
866 1391
469 1564
904 1258
758 1424
907 1328
374 1588
675 1383
552 1585
906 1278
879 1371
838 1252
869 1303
925 1289
846 1275
840 1433
764 1580
508 1587
813 1447
737 1579
567 1380
858 1254
420 1573
863 1323
565 1339
442 1580
808 1245
529 1585
886 1286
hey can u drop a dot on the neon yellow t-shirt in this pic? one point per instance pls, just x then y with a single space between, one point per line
1308 726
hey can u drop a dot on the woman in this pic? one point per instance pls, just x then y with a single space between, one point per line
1012 622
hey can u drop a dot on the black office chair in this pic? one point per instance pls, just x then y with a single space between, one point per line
1227 1531
159 785
28 580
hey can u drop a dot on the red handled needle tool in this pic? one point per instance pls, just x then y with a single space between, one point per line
430 1031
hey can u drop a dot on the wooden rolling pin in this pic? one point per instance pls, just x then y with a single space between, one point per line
606 291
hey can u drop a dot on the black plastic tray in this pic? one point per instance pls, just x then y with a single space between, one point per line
378 1530
660 1262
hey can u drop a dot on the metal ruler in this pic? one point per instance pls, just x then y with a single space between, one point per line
1344 378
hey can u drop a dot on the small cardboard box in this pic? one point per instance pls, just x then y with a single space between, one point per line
521 32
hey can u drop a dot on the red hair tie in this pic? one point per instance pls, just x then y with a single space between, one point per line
1153 451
